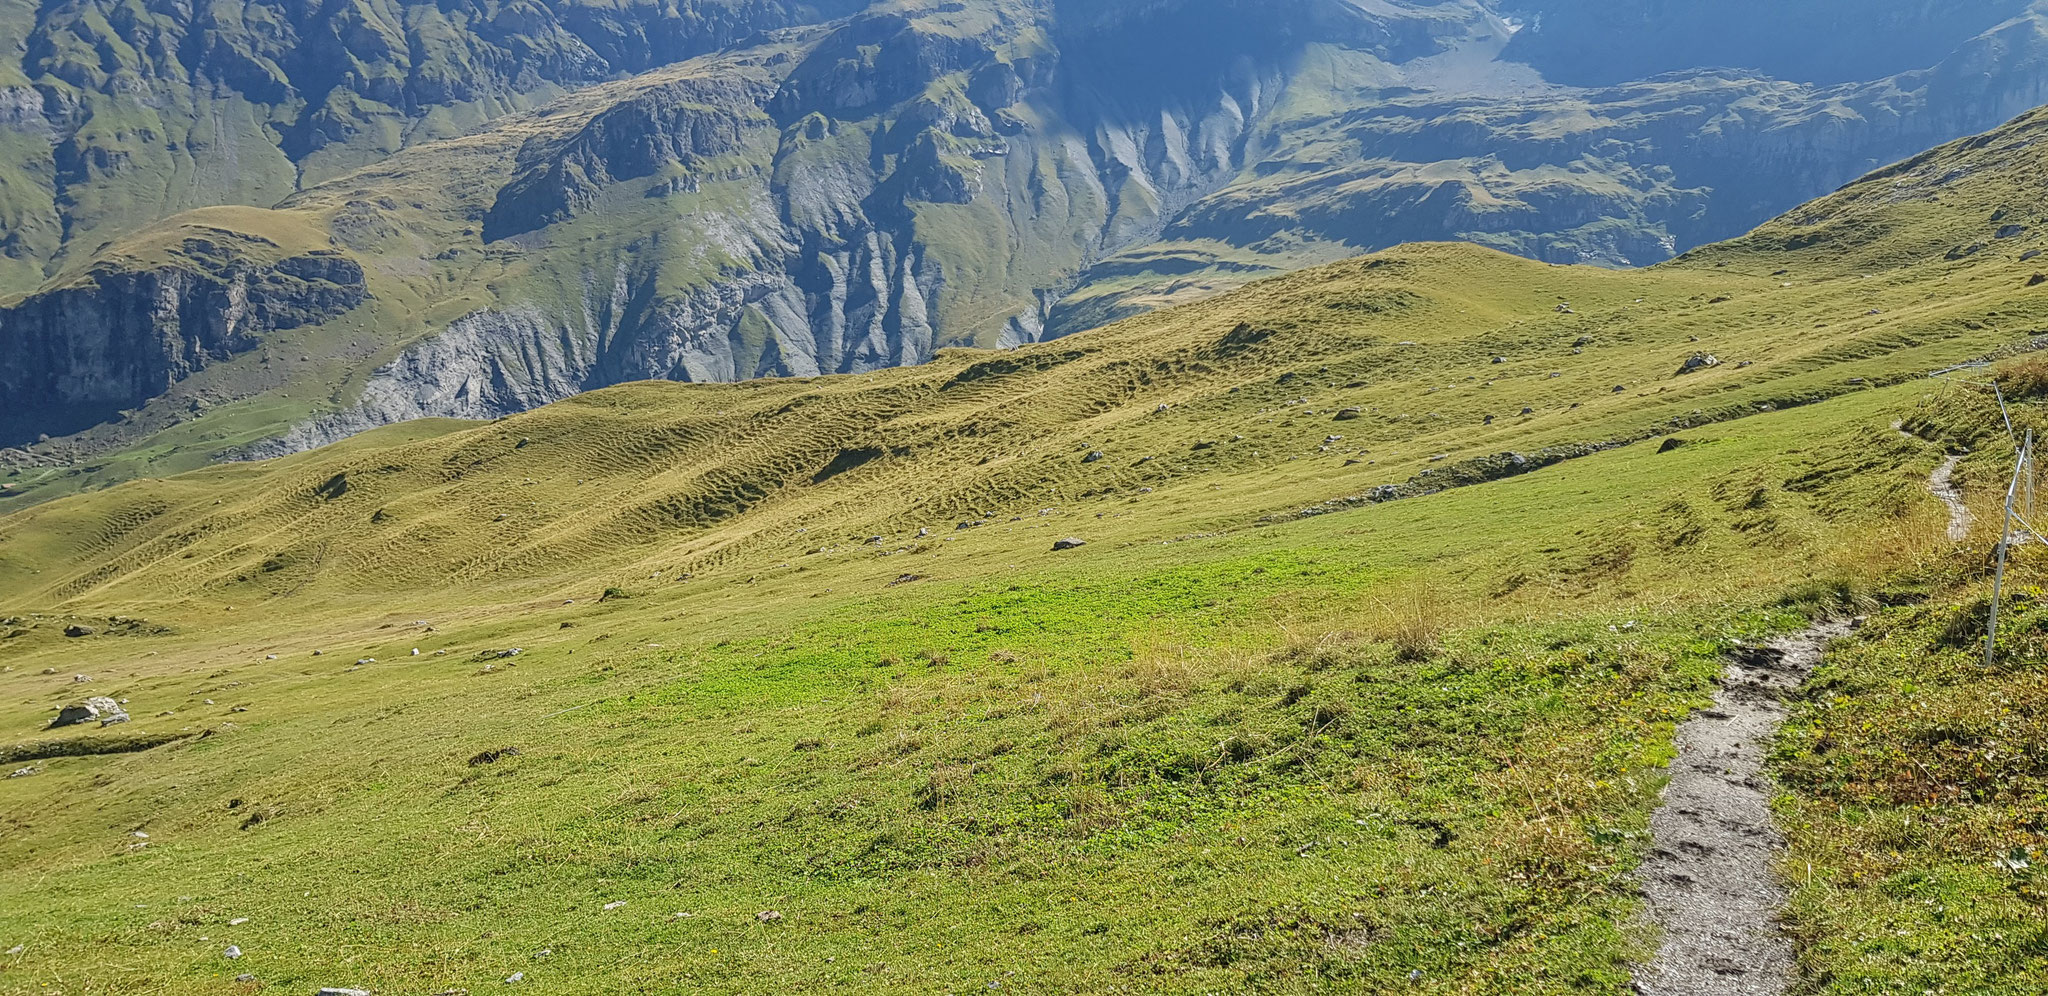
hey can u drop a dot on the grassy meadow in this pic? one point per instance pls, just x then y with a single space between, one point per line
805 698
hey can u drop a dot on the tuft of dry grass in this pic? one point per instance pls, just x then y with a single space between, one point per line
1412 620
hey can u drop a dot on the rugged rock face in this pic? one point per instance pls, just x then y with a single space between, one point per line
118 338
683 123
241 100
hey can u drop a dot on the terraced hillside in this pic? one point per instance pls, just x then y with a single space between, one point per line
1395 576
515 206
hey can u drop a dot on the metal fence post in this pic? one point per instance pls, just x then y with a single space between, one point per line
2012 493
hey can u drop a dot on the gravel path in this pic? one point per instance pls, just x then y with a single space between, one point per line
1943 486
1709 878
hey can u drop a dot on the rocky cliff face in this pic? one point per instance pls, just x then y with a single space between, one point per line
80 354
158 106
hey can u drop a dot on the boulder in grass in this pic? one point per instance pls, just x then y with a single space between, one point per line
1070 543
1697 362
99 707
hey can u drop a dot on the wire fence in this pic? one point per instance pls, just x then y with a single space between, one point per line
2018 524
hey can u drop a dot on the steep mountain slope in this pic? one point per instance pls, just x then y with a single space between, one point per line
1396 574
123 113
846 195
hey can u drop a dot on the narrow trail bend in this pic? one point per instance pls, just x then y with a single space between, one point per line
1709 880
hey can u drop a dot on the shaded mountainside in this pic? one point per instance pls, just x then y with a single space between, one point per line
834 196
119 337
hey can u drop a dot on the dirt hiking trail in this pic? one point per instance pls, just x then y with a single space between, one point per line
1709 879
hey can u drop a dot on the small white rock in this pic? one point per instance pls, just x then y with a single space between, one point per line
612 906
515 977
238 921
231 953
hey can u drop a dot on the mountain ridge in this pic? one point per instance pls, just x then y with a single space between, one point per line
856 193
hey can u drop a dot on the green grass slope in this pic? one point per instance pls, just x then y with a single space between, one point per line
1363 681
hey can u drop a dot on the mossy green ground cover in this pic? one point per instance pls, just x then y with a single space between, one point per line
1326 754
1917 808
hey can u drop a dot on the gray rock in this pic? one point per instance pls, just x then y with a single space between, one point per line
78 629
1094 457
1070 543
336 991
99 707
1697 362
